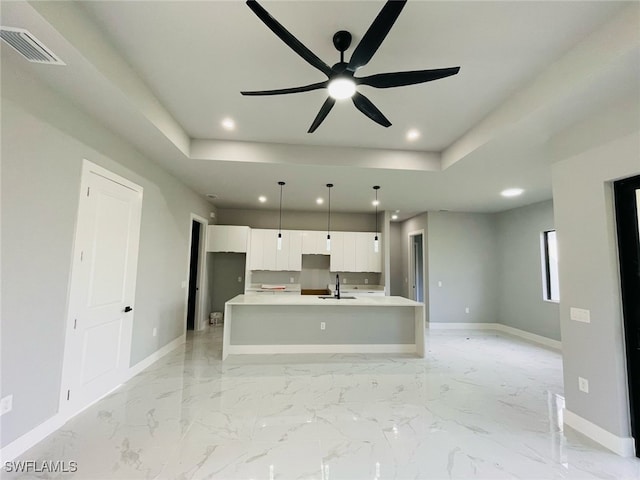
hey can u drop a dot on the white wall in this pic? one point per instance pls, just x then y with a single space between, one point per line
589 278
520 295
44 140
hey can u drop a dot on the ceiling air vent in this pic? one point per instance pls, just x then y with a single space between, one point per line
29 46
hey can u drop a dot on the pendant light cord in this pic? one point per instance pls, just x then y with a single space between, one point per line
329 185
280 222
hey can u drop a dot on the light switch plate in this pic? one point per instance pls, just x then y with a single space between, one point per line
6 404
583 384
466 310
580 315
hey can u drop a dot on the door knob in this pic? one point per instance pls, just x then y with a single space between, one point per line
127 309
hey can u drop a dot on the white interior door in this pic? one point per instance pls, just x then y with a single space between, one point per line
98 342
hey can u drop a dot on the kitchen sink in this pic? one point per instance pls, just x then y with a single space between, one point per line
342 297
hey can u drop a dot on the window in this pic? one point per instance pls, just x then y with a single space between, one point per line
550 284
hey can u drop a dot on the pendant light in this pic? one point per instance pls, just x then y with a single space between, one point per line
329 185
376 241
280 224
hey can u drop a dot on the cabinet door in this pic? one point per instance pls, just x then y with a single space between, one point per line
349 251
295 250
216 238
270 244
336 260
309 242
256 251
362 251
321 243
374 258
236 240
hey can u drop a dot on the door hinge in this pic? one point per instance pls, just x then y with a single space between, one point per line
88 189
75 323
81 255
68 394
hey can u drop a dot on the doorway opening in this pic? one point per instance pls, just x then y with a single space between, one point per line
196 274
627 202
416 266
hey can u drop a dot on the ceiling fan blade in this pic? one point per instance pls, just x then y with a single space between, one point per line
288 38
283 91
376 34
322 114
363 104
400 79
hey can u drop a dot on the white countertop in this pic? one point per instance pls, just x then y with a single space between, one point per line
308 300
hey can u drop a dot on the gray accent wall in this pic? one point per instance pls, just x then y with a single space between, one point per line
463 255
44 140
224 269
520 293
300 325
589 279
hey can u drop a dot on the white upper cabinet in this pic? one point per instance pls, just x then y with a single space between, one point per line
336 261
354 252
264 253
350 251
227 238
314 242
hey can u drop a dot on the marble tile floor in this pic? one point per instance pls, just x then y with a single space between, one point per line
480 405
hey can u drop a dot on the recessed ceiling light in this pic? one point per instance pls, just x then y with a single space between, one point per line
511 192
394 217
319 201
375 203
212 196
262 199
413 134
228 124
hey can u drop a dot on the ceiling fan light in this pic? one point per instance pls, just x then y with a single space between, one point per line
341 88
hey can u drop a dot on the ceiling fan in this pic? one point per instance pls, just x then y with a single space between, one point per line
341 82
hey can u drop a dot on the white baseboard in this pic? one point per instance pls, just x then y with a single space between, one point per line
33 436
549 342
340 348
461 326
623 446
155 356
46 428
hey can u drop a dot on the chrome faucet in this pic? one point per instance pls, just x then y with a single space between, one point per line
337 293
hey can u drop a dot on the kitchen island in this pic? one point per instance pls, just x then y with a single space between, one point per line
259 324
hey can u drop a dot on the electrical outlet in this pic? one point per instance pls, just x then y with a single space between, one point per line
323 325
583 384
6 404
239 279
366 281
344 280
466 310
155 331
